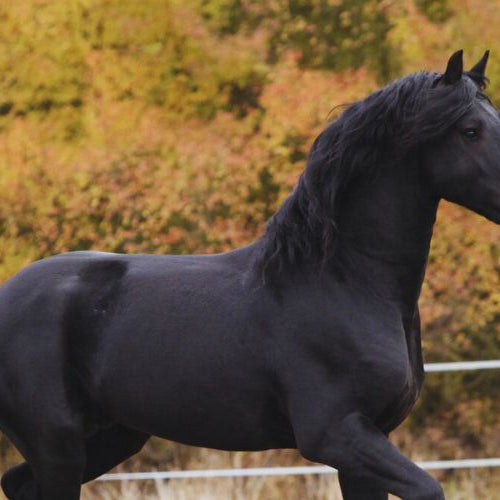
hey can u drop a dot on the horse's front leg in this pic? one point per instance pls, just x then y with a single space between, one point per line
354 489
362 453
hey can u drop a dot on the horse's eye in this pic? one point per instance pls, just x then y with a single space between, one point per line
470 133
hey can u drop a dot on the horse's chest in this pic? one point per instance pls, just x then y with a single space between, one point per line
396 412
404 401
390 376
385 381
400 406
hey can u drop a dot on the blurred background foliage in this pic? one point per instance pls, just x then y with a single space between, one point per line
180 125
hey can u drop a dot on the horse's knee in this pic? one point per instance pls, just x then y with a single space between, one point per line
360 450
432 490
332 444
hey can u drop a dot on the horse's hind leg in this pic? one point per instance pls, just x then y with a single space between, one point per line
37 392
56 458
49 433
37 416
18 483
354 489
59 467
104 450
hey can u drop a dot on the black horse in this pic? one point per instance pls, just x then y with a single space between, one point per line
308 338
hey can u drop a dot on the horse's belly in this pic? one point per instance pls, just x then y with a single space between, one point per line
224 421
227 432
209 398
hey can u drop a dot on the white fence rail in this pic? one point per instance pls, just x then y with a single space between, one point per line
462 366
320 469
471 463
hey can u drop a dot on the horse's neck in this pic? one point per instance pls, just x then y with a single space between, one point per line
385 228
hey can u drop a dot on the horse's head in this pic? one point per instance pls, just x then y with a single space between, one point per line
463 164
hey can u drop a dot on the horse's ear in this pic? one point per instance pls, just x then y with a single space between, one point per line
477 72
455 68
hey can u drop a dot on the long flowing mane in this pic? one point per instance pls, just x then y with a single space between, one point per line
383 128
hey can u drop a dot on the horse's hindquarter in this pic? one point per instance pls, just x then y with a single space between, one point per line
182 357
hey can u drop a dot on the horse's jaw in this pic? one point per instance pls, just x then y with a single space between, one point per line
482 199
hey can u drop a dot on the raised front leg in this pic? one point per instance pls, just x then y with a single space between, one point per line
354 489
362 453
